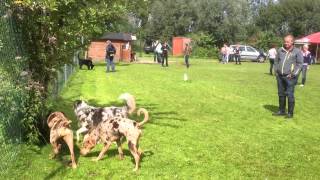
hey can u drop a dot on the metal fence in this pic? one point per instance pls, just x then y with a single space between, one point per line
62 76
13 95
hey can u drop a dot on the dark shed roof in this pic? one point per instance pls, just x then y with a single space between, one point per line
116 36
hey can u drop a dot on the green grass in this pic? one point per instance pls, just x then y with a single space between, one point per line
216 126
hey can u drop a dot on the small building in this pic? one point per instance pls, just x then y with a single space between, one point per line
178 45
121 41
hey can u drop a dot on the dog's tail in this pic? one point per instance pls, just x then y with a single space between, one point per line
146 116
130 101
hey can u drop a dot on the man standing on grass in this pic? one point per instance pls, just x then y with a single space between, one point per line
110 53
187 52
287 65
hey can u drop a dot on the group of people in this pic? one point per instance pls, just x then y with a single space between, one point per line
229 53
161 51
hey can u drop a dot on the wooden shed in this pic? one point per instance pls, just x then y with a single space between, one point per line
121 41
178 45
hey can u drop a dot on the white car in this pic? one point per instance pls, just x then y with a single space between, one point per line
250 53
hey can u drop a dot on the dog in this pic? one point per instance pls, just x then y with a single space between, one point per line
87 62
88 115
113 130
60 129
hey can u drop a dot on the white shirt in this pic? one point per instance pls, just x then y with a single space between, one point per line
272 53
158 48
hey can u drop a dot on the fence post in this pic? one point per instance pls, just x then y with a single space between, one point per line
65 74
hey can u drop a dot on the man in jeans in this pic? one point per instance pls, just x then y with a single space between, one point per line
187 52
287 64
110 53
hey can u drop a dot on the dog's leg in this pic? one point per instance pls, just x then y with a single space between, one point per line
68 138
54 142
120 149
80 131
134 151
103 151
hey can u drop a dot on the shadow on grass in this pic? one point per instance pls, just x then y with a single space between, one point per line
116 64
64 163
271 108
152 108
53 173
114 152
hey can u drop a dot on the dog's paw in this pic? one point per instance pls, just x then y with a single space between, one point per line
135 169
121 157
73 165
95 159
52 156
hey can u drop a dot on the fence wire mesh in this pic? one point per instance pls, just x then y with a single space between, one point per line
13 96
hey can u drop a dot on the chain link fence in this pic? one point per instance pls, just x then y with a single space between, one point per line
13 95
63 75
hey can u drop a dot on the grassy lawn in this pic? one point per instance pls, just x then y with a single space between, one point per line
216 126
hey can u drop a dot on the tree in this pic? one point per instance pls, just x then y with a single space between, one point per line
51 31
290 16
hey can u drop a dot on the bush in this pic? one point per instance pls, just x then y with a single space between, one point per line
203 45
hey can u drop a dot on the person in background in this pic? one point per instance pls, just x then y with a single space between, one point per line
237 55
165 48
287 66
158 51
187 52
110 53
154 45
306 62
227 53
272 53
223 52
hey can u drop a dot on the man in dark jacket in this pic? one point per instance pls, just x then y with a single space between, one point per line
287 66
165 49
110 53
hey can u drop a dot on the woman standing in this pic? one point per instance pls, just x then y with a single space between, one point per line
306 62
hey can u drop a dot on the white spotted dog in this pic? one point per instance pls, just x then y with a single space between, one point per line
113 130
89 116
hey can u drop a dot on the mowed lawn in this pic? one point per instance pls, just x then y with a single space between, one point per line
216 126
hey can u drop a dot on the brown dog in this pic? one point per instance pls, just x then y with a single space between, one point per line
113 129
60 128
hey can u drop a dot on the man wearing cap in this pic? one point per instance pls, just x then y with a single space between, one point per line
287 66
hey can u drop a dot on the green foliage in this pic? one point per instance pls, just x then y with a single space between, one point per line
49 32
203 45
221 19
290 16
265 40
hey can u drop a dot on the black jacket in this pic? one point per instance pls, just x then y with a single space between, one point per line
110 51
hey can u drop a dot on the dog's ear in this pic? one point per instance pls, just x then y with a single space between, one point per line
76 103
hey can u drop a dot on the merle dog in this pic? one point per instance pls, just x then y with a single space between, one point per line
113 130
87 114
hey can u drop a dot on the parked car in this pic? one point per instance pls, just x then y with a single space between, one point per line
251 53
148 48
